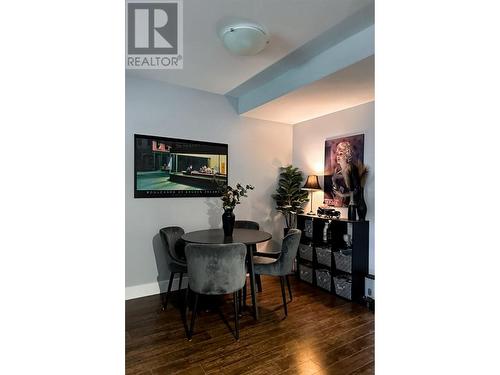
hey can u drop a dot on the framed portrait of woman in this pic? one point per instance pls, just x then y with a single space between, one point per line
342 155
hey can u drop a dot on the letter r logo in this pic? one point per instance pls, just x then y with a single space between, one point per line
152 28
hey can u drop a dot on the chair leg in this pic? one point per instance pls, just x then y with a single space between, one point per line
283 294
236 317
259 283
289 288
170 282
240 293
193 316
180 282
245 294
185 310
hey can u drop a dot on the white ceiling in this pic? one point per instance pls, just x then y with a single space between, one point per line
346 88
208 66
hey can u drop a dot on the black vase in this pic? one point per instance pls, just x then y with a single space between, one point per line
228 222
361 206
351 211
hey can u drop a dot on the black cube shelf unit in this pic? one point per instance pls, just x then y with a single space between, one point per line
333 264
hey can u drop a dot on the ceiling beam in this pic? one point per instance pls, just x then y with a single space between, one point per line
339 56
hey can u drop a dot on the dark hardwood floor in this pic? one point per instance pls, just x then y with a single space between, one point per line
321 335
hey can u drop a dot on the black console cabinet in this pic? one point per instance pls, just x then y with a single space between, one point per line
338 274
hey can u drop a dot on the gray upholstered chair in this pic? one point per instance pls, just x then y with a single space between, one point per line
282 266
215 270
176 260
246 224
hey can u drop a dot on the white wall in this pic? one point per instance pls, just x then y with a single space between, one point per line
257 149
309 151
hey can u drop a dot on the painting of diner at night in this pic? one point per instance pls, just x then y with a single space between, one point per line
169 167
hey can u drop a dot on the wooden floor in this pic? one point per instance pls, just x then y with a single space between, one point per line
321 335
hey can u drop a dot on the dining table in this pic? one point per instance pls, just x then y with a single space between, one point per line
249 237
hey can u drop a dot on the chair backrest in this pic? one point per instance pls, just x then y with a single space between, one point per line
216 269
174 244
289 248
246 224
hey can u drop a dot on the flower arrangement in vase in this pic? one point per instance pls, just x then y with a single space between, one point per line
230 198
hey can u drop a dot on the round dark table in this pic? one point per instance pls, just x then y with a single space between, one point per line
216 236
249 237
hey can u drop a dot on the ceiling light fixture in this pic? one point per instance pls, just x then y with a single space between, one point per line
244 39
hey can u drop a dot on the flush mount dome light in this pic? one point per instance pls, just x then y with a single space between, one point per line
245 38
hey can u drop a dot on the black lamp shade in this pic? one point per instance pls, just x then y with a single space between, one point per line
312 183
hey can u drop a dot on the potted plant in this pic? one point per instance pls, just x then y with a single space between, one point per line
289 195
230 198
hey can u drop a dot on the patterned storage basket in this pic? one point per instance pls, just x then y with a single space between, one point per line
306 273
305 252
323 279
343 260
343 286
324 256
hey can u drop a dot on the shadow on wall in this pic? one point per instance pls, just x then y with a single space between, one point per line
214 213
161 262
271 220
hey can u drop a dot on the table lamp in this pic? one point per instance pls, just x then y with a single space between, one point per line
311 184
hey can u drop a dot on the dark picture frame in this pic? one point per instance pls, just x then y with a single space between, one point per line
333 179
172 168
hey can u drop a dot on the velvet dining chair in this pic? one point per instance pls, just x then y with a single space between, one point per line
282 266
176 260
248 224
215 269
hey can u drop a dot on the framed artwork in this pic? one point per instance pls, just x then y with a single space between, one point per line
339 154
171 167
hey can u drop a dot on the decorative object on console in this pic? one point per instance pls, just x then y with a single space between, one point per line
347 240
308 228
326 228
311 185
342 157
363 174
230 198
351 210
289 197
328 212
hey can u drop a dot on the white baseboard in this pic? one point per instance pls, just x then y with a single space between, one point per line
149 289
